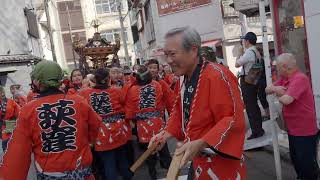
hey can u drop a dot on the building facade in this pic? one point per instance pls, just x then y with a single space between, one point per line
312 21
152 19
59 49
107 14
297 32
20 43
72 20
236 24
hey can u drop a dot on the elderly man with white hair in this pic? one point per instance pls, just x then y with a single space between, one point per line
208 113
295 93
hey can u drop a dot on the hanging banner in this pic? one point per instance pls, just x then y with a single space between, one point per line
168 7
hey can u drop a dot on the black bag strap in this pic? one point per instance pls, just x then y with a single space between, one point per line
244 70
255 55
256 61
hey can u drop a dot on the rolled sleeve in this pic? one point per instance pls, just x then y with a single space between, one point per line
248 56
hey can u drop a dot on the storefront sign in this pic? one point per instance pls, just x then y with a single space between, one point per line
298 22
168 7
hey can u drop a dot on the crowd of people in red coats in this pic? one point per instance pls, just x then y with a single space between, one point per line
130 102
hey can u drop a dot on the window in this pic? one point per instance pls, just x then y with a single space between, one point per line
72 6
68 49
107 6
109 34
32 23
76 17
150 33
147 10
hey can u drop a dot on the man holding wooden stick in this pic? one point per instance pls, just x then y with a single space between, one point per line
208 113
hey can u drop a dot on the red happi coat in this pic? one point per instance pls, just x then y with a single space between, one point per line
20 100
10 113
143 100
169 79
58 129
216 117
74 89
129 79
107 103
31 96
168 96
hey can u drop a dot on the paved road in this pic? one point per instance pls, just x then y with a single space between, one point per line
260 166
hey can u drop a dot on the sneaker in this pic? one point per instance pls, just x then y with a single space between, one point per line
254 136
262 133
265 118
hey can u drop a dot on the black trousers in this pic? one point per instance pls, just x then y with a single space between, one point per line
130 151
250 98
191 172
97 166
165 159
303 153
262 84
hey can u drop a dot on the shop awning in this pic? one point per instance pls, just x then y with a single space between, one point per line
251 12
8 69
18 58
211 43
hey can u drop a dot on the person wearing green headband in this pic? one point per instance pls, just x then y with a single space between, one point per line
208 54
46 75
58 128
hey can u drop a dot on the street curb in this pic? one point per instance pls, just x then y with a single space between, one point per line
284 152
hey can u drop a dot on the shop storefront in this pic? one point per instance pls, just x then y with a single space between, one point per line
297 31
290 31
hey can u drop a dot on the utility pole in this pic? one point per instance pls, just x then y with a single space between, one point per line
70 33
263 19
124 41
46 9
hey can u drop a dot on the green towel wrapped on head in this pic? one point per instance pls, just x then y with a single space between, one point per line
10 125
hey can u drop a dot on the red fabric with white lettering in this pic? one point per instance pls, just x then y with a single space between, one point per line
217 118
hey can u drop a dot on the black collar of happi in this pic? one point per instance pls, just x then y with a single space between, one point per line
190 90
49 92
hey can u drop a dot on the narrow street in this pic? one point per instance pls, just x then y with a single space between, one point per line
89 84
260 166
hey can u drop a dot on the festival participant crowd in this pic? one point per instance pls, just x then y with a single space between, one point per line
105 109
83 126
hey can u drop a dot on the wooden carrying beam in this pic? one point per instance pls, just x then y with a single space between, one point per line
174 168
143 157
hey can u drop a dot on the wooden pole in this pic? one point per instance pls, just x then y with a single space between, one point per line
174 168
143 157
